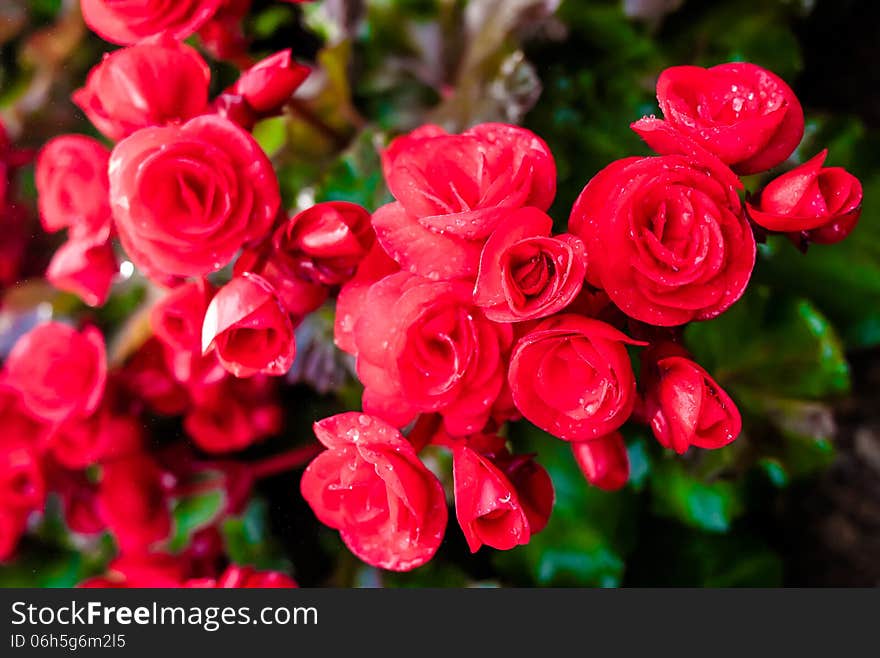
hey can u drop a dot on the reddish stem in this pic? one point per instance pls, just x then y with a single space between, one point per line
286 461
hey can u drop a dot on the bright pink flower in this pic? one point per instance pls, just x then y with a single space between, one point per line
187 198
452 191
823 202
249 329
742 113
370 485
71 180
666 237
572 377
133 503
59 371
86 267
603 461
486 503
125 22
159 80
683 404
422 346
525 273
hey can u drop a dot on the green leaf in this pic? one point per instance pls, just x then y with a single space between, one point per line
672 555
771 346
248 539
271 134
193 513
356 175
708 505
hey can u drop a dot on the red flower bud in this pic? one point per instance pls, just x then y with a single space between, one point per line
486 503
603 461
823 202
325 243
268 84
249 329
683 404
370 485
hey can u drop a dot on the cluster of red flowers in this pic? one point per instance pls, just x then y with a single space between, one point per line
462 308
470 311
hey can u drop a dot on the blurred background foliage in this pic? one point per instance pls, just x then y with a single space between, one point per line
795 501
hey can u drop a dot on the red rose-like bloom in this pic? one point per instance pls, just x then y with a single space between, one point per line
249 329
127 21
823 201
186 198
59 371
71 180
85 267
452 191
154 82
486 503
423 346
603 461
683 404
390 510
268 84
666 237
742 113
572 377
325 243
247 578
132 502
524 273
